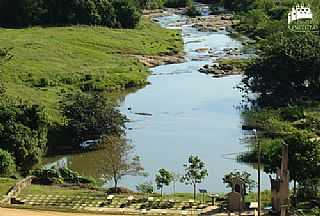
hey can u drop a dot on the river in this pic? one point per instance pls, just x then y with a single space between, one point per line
190 114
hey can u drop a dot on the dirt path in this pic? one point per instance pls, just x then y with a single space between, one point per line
24 212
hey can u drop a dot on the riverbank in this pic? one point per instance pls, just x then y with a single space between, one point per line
50 62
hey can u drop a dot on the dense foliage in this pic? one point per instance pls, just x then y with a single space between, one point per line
7 164
178 3
23 132
287 70
112 13
60 175
89 117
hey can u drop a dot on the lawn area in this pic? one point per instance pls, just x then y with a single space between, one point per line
5 185
48 62
61 191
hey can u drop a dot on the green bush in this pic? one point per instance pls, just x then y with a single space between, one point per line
23 132
86 180
46 176
68 175
292 113
7 164
146 187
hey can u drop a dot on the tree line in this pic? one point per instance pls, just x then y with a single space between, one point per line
111 13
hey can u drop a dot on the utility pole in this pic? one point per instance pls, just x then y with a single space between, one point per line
259 176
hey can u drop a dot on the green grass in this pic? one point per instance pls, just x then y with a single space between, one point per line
48 62
56 190
5 185
265 197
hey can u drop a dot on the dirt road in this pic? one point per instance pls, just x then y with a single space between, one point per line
23 212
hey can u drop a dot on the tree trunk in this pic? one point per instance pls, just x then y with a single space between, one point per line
115 184
194 191
161 190
174 188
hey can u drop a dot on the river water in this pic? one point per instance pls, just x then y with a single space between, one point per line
190 114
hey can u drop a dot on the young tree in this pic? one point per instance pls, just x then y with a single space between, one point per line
175 178
163 179
119 161
195 172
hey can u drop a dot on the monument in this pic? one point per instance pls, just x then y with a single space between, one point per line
280 186
236 196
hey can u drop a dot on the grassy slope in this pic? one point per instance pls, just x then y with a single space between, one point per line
63 56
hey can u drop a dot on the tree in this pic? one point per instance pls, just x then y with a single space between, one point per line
244 176
304 157
195 172
286 71
163 179
91 116
7 164
175 178
119 161
23 132
146 187
127 13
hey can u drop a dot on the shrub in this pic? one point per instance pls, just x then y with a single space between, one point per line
292 113
68 175
86 180
46 176
7 164
146 187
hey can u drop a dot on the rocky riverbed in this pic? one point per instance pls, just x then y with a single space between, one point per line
210 23
157 60
221 69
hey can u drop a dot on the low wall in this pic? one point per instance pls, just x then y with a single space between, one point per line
15 190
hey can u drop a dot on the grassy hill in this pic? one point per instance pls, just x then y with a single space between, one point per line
48 62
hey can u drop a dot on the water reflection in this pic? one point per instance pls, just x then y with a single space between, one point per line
190 113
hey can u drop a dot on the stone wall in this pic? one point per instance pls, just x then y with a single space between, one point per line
15 190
